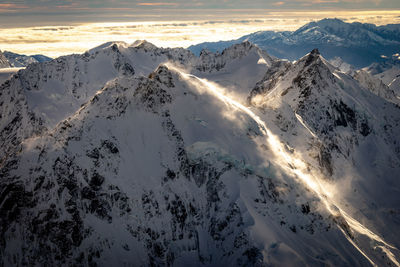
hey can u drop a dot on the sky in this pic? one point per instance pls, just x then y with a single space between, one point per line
59 27
44 12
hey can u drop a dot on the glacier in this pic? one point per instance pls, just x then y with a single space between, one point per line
130 154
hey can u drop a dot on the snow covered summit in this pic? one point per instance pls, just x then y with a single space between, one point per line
139 155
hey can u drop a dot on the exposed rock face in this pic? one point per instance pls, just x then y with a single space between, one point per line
3 61
118 157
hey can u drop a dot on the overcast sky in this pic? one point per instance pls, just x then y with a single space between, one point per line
50 6
43 11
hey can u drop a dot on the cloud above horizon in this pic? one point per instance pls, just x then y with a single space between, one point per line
56 40
72 6
49 12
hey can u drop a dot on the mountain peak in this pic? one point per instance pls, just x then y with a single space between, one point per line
243 46
144 44
311 57
327 22
163 75
161 70
113 45
315 51
234 51
331 21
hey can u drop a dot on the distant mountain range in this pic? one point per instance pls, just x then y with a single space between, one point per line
14 60
11 62
356 43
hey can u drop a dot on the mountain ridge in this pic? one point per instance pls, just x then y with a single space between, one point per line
17 60
356 43
194 165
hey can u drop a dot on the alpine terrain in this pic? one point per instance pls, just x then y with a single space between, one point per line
17 60
359 44
3 61
134 155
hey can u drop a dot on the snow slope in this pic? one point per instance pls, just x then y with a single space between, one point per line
343 66
352 136
237 68
376 86
52 91
388 72
380 83
138 155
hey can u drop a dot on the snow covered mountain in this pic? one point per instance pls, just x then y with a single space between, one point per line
333 107
74 80
18 61
139 155
376 86
347 128
388 71
380 84
3 61
356 43
343 66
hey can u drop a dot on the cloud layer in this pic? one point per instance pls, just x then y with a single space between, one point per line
77 38
52 6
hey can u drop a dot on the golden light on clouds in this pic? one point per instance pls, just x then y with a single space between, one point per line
60 40
11 8
157 4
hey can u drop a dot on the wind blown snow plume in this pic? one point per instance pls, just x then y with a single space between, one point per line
159 157
293 164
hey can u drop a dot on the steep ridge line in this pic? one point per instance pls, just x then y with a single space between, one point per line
298 169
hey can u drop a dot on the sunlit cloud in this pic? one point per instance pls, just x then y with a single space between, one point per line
361 4
324 1
11 7
66 39
157 4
